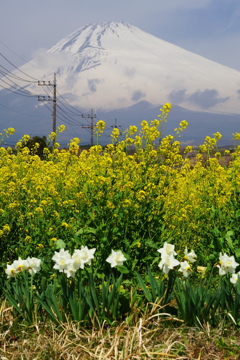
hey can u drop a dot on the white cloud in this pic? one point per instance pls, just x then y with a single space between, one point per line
48 60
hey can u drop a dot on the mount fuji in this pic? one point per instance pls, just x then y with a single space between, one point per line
113 67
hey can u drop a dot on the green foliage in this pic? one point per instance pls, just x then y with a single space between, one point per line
107 199
21 295
83 299
198 302
230 300
158 290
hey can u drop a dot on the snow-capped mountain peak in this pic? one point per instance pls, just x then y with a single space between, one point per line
115 65
91 36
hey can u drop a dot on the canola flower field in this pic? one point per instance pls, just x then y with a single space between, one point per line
109 201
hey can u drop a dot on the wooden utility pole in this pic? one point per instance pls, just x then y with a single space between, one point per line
115 126
49 98
91 126
54 104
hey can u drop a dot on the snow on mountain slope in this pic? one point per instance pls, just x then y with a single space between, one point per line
115 65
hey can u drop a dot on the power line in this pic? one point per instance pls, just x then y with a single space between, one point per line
15 92
69 104
9 73
17 67
74 121
13 51
63 119
66 110
18 112
91 126
18 88
69 110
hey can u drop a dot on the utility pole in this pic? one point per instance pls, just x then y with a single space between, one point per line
49 98
91 126
54 104
115 126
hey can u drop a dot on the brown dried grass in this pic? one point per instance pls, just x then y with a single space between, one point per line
150 337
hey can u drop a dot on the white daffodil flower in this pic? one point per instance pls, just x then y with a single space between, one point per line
185 268
227 264
189 256
70 270
11 271
234 278
33 265
20 265
82 257
167 249
62 260
167 263
116 258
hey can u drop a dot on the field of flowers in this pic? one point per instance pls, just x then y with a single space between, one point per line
92 235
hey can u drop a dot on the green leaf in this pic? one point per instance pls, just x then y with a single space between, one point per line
229 240
86 230
144 288
135 242
60 244
237 252
122 269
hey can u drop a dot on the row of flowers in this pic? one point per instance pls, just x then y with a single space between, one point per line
69 264
64 262
227 264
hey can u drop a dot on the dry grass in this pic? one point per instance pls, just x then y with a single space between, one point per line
150 337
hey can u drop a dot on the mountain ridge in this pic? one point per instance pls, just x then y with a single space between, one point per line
123 72
114 65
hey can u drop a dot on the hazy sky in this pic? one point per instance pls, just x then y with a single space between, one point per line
210 28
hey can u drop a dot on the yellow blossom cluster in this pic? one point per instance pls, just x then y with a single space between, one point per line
110 197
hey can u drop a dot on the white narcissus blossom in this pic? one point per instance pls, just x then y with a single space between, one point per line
82 257
20 265
234 278
116 258
68 264
167 263
11 271
62 260
33 265
227 264
167 249
71 270
185 268
189 256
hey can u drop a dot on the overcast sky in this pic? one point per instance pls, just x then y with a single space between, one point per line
210 28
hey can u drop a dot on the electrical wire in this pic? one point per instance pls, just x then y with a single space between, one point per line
17 112
63 119
17 67
69 111
13 52
15 92
60 116
69 104
66 113
9 73
69 118
18 88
